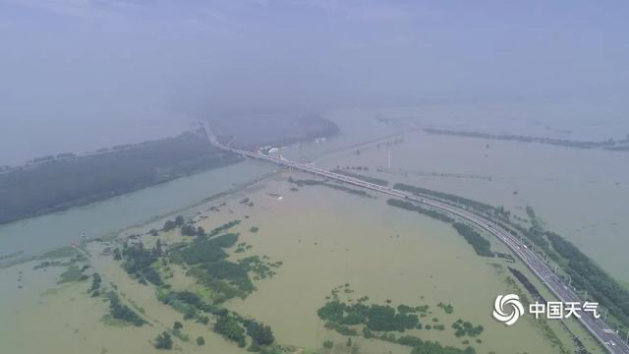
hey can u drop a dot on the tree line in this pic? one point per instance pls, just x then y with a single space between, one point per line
123 312
58 185
588 276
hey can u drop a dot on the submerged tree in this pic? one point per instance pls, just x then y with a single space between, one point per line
261 334
164 341
169 225
229 328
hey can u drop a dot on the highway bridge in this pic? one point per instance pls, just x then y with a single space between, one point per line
597 327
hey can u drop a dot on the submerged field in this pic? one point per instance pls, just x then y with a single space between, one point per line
325 243
577 193
294 250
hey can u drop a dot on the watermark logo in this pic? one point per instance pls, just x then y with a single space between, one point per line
508 308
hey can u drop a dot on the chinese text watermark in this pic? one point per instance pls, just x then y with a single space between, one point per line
508 309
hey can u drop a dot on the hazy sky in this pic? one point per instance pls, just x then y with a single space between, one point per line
103 61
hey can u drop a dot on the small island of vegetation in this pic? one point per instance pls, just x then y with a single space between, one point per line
374 321
312 182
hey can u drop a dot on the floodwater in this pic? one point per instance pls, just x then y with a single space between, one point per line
328 238
44 317
357 127
325 238
26 136
578 193
33 236
567 118
581 194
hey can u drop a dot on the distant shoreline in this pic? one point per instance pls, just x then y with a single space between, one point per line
612 145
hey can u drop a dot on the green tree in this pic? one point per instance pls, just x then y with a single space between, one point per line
188 230
200 341
158 250
96 282
229 328
164 341
261 334
123 312
169 225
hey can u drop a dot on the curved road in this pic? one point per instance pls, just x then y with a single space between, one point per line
597 327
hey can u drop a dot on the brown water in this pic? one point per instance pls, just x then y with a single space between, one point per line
581 194
324 238
327 238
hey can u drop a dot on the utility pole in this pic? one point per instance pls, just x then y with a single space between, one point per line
389 160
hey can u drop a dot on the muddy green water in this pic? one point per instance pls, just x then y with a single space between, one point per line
324 238
32 236
581 194
328 238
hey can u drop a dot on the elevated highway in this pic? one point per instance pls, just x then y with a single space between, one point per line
610 340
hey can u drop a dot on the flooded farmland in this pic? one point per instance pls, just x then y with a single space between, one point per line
324 239
577 193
